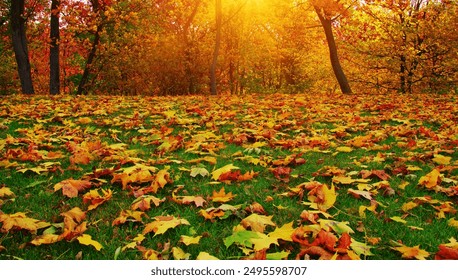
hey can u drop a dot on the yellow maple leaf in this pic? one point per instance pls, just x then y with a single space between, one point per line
263 242
284 233
398 219
86 239
136 241
46 239
125 216
452 222
344 149
222 196
430 180
409 206
95 198
224 169
343 180
330 197
205 256
188 240
211 160
20 221
161 179
412 252
164 223
440 159
138 173
257 222
6 192
179 254
362 209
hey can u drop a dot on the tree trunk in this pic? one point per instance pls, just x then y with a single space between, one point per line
54 77
337 68
213 89
90 59
20 46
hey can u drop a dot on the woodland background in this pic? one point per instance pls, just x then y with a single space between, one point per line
180 47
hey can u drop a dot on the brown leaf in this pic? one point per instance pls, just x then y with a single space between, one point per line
282 173
71 187
256 208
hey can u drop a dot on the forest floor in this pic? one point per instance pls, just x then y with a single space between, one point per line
230 177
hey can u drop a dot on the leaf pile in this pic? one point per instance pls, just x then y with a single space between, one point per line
246 177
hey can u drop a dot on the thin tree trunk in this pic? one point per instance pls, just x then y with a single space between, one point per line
337 68
213 89
20 46
82 87
54 77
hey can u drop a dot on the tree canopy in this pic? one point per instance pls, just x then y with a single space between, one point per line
184 47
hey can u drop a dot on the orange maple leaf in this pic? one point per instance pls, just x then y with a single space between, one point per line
128 215
95 198
431 180
144 202
162 178
73 223
222 196
163 223
20 221
71 187
412 252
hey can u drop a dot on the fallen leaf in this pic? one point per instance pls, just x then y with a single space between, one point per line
398 219
199 171
344 149
163 223
257 222
46 239
188 240
440 159
95 199
284 232
179 254
144 202
71 187
430 180
129 216
20 221
206 256
86 239
412 252
452 222
5 192
409 206
222 196
224 169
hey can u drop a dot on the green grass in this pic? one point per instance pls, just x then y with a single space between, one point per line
284 126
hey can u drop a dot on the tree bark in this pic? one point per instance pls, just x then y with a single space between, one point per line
337 68
213 89
54 77
20 46
82 87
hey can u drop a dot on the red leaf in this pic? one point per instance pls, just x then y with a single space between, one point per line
343 243
282 173
446 253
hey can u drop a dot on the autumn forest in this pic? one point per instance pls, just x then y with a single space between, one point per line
239 46
229 129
